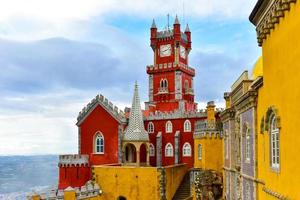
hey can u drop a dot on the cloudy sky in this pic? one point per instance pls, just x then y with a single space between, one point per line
56 55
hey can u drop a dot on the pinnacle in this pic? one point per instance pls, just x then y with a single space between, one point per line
187 29
153 24
176 20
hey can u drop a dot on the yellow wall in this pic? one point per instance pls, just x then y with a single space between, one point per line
281 61
212 153
137 183
131 182
174 176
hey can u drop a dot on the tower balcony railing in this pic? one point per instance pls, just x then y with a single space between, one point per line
205 125
189 91
163 90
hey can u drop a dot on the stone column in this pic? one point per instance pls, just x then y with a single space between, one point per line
148 156
138 158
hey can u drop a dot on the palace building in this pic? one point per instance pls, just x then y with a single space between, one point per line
172 150
170 139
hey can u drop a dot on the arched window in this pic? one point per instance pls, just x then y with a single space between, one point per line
169 127
99 143
152 150
187 126
163 83
169 150
150 127
199 151
274 142
186 150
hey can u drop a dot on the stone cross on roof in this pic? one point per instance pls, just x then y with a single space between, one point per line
135 130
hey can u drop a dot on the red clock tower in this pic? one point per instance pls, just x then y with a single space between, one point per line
170 78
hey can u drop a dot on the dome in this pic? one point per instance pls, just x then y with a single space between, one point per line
257 68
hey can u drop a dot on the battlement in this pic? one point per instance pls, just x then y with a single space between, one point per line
109 106
89 190
73 160
170 66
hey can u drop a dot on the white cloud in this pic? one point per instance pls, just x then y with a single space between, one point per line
31 19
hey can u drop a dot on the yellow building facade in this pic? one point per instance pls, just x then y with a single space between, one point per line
278 112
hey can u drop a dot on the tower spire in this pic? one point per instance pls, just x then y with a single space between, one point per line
136 130
187 29
176 20
153 24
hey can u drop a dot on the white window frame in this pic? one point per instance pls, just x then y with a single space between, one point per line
169 151
186 150
151 150
150 127
274 143
99 136
247 145
169 127
199 151
187 126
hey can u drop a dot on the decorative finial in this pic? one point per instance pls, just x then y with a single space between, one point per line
153 24
176 20
187 29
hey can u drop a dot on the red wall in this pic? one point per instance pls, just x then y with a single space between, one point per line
100 120
159 126
74 176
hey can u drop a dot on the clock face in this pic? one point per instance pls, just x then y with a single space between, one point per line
165 50
182 52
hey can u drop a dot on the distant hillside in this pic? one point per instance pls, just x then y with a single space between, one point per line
22 174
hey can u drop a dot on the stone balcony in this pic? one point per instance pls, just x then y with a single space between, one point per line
163 90
73 160
189 91
205 128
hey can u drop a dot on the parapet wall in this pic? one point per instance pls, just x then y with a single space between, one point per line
73 160
90 191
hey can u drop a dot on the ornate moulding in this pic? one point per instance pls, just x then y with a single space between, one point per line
270 16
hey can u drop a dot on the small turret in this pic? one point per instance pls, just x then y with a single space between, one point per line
188 35
176 26
211 111
153 35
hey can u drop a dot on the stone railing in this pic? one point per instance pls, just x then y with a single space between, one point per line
189 91
89 190
177 114
163 90
204 128
119 114
73 160
170 66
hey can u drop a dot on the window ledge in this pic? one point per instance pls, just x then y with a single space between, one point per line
98 153
275 169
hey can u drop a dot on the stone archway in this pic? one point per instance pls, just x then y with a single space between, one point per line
130 153
121 198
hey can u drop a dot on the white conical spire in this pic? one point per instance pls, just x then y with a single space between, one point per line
136 130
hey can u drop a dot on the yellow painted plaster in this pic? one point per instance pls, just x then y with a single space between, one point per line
281 72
